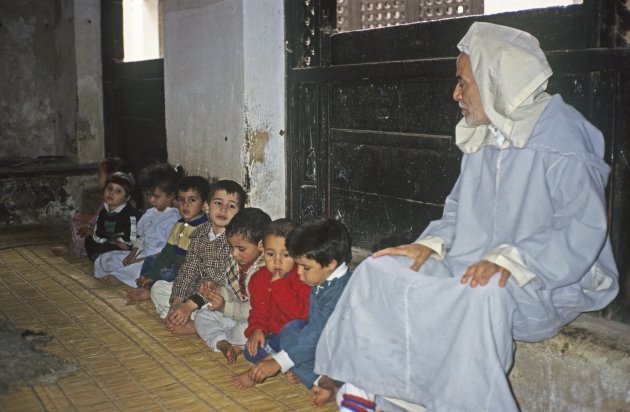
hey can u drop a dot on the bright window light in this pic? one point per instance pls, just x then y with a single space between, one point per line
141 29
501 6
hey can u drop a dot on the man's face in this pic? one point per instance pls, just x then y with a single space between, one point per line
467 95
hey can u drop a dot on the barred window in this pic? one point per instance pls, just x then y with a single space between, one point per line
369 14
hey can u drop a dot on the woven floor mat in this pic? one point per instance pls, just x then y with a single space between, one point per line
128 360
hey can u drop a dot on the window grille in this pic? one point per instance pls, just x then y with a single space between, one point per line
368 14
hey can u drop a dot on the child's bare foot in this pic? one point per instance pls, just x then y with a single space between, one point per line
292 378
187 328
242 380
230 352
324 392
60 250
138 295
111 280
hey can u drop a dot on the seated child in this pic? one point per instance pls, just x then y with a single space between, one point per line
277 297
116 223
82 223
160 183
221 325
208 256
321 247
191 194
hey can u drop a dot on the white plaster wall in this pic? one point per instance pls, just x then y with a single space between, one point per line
264 104
203 86
224 93
500 6
89 119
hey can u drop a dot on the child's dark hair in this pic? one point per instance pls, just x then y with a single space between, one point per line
162 176
250 223
114 164
230 187
281 227
124 180
196 183
321 239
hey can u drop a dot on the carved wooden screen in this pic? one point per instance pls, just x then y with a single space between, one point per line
369 14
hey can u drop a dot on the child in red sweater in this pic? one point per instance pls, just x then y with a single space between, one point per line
277 297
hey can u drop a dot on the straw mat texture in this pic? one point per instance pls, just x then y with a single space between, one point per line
128 360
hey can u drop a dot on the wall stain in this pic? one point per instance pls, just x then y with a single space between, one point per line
256 141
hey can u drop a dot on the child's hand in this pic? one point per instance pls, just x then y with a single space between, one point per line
121 245
264 369
256 339
207 287
181 314
215 301
129 259
85 231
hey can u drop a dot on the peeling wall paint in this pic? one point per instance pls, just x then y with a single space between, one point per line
264 108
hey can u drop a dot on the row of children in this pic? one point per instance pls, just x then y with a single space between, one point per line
241 282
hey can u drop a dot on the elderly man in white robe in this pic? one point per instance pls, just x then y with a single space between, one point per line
521 249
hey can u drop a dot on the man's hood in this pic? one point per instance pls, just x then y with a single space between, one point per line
511 72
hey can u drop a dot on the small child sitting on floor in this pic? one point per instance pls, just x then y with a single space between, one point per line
116 224
321 247
221 325
82 223
192 192
277 297
208 256
160 183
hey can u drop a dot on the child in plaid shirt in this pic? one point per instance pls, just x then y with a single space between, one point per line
208 256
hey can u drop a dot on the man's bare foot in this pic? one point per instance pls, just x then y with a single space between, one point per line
187 328
324 392
230 352
242 380
60 250
292 378
111 280
138 295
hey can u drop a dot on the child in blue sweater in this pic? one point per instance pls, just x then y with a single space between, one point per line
321 248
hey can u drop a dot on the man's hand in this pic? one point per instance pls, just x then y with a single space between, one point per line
481 272
180 314
256 339
419 253
264 369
